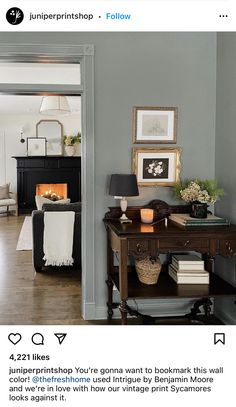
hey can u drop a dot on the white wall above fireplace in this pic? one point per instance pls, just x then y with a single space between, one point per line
10 145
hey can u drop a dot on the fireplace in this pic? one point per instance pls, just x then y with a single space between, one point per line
55 192
62 176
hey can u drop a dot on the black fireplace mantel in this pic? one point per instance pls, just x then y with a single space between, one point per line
41 170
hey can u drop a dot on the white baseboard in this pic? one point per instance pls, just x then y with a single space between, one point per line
226 318
88 311
159 308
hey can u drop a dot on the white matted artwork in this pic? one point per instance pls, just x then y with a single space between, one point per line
156 166
154 124
36 146
52 130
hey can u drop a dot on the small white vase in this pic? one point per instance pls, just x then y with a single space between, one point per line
70 151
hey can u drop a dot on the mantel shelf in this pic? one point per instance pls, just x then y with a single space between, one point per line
44 157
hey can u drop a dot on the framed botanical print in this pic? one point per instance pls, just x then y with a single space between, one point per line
36 146
156 166
154 125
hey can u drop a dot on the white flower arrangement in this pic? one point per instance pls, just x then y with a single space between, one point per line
198 191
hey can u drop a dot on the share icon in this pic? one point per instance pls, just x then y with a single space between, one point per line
60 337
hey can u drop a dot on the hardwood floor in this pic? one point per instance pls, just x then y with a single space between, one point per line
26 297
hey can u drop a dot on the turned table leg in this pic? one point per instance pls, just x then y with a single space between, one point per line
207 307
124 312
123 280
110 298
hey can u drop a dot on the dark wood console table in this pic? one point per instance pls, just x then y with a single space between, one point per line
138 240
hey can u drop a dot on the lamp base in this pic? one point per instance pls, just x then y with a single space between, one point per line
124 219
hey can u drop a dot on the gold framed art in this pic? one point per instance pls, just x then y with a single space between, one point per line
156 166
154 125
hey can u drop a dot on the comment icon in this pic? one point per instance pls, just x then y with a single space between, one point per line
37 339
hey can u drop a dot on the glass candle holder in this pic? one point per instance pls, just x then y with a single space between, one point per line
146 215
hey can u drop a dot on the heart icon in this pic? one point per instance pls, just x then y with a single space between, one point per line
14 338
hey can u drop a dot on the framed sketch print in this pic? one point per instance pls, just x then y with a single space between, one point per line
36 146
156 166
154 125
52 130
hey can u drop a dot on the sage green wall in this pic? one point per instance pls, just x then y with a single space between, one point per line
142 69
226 153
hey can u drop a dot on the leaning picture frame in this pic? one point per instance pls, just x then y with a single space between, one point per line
154 125
36 146
156 166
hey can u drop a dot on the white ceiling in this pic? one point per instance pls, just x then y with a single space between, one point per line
19 104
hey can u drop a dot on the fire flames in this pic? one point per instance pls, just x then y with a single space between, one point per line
54 192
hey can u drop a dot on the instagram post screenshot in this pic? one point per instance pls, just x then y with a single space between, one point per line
117 202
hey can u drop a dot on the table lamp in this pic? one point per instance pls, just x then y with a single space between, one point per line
121 186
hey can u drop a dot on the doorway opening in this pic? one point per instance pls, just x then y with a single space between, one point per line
83 55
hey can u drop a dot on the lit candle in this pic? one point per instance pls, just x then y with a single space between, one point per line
146 215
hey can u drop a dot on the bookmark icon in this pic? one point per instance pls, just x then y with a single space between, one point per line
219 338
60 337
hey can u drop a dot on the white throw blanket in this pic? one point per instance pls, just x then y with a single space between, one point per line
58 238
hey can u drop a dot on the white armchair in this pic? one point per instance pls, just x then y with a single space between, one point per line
10 203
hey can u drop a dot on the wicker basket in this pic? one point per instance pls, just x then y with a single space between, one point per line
148 270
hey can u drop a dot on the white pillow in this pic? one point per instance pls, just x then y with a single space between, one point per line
40 200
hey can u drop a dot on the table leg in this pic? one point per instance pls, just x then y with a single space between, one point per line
207 307
123 280
109 281
124 312
110 298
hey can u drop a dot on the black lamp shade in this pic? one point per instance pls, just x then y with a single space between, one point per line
123 185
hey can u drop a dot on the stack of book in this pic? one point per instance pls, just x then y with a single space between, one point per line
185 220
188 269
